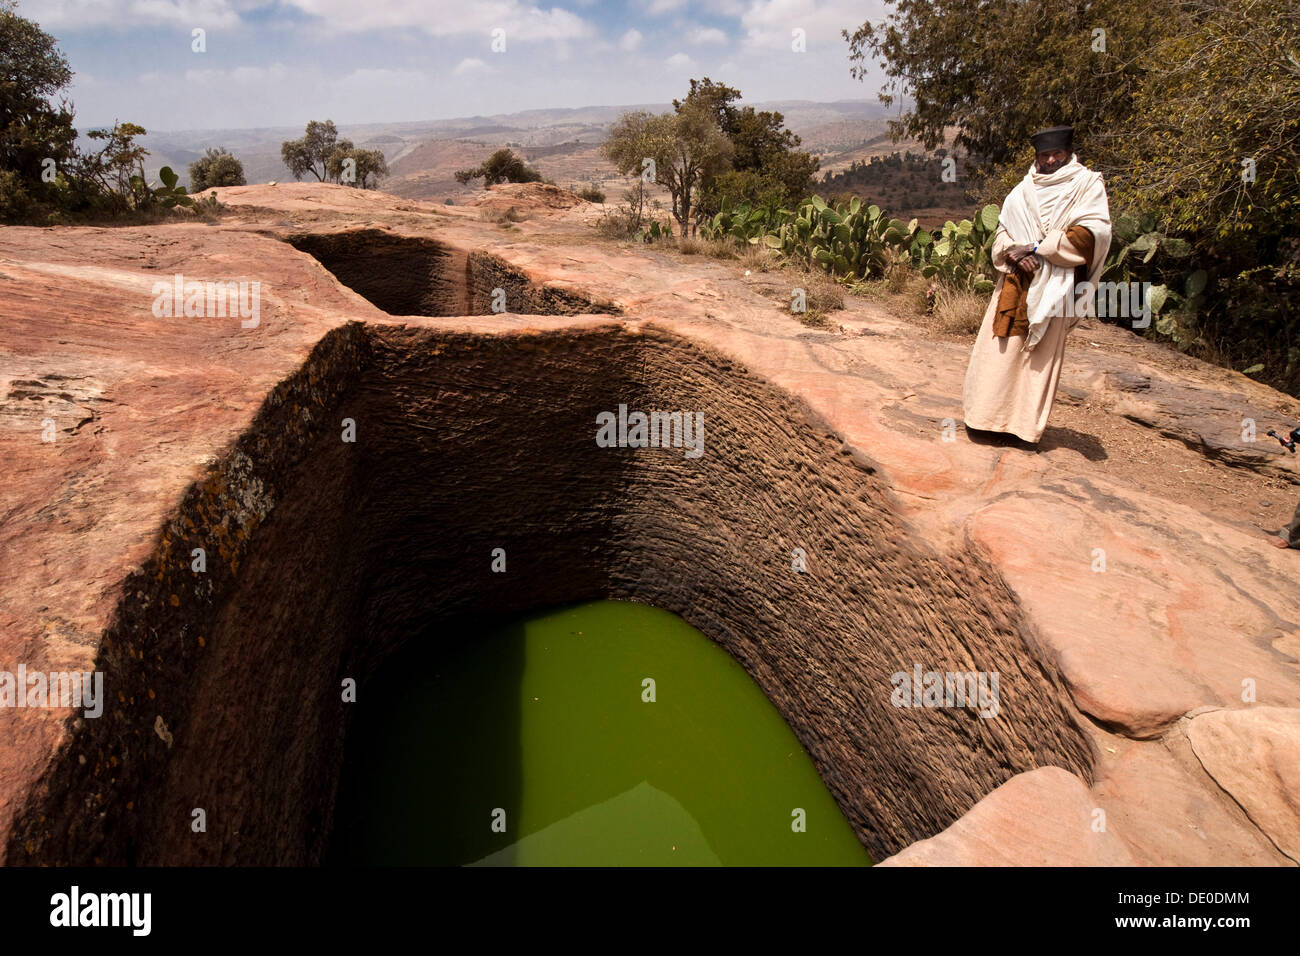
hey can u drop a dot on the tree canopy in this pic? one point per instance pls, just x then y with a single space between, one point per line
32 129
216 167
330 159
311 153
681 151
709 150
765 158
503 166
351 166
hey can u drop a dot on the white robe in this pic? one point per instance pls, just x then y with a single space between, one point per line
1011 381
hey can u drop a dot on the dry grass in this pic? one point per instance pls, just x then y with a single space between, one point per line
151 216
957 311
823 293
616 223
899 276
718 248
510 214
757 258
713 248
814 319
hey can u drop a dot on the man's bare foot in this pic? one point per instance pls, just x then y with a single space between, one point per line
1278 543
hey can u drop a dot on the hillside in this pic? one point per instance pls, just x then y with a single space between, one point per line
563 144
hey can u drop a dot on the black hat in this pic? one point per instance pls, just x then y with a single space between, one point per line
1054 137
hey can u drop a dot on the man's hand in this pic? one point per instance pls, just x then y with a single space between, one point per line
1026 263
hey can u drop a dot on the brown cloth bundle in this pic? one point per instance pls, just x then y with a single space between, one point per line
1012 316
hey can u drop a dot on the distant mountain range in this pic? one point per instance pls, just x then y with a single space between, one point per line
466 140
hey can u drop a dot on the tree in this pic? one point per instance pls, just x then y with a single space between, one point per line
685 149
311 153
503 166
32 130
216 167
767 166
1223 87
1000 69
1213 149
764 146
111 168
716 98
43 175
365 169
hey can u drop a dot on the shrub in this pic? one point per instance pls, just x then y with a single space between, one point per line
503 216
632 218
503 166
899 274
16 203
718 248
216 167
957 310
823 294
592 193
756 258
350 166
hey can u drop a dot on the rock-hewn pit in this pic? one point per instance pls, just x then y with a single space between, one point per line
339 552
414 275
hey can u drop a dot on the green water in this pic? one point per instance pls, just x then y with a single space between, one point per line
545 720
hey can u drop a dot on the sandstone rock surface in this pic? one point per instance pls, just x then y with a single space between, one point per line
1254 755
1132 600
1045 817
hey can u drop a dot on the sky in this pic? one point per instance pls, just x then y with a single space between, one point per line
284 62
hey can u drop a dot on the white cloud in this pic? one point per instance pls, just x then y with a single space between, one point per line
83 14
522 21
245 76
768 24
312 59
706 35
665 6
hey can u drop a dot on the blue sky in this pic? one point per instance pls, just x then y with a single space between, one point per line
283 62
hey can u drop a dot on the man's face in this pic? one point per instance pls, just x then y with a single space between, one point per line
1052 160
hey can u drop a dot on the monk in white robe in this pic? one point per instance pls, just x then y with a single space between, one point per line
1051 244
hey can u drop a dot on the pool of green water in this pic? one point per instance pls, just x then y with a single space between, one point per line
537 744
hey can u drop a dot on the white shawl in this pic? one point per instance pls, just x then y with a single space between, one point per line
1040 203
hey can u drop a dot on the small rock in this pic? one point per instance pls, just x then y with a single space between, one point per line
160 728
